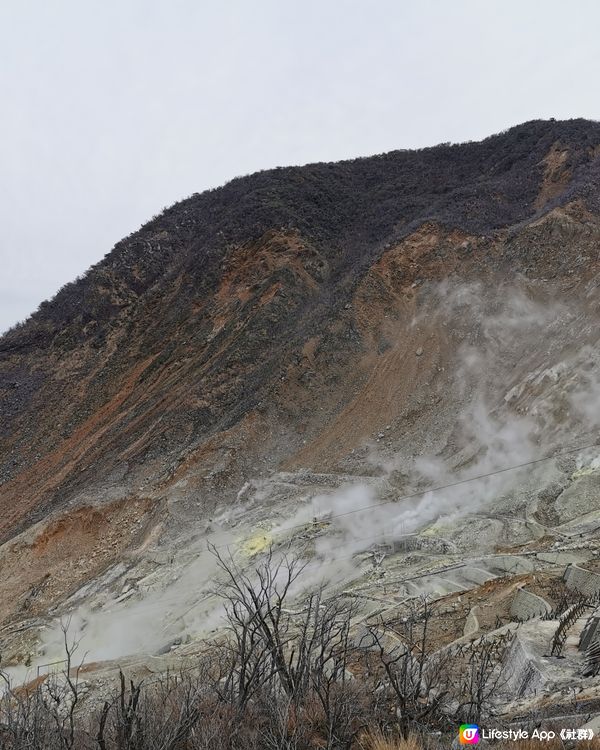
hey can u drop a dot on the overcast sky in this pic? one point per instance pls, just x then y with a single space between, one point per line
114 109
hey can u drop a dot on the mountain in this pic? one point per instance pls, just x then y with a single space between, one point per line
391 323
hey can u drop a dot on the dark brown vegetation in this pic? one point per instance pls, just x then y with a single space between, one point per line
346 209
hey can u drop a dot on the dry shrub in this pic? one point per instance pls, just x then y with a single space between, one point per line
376 740
338 713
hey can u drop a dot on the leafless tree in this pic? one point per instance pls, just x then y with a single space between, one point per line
43 713
414 675
62 695
293 651
478 678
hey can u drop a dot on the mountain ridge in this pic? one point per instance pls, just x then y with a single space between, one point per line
539 133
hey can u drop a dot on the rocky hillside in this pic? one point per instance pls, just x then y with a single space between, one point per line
395 321
256 310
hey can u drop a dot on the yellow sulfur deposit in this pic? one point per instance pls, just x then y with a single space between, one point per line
257 543
584 472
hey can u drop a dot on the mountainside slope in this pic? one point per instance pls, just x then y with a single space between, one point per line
392 324
188 327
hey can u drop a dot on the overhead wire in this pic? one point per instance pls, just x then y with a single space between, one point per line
440 488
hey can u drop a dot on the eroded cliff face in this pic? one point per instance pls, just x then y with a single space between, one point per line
302 344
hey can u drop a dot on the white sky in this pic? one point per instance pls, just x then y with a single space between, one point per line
114 109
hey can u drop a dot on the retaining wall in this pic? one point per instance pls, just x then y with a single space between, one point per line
526 604
582 580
